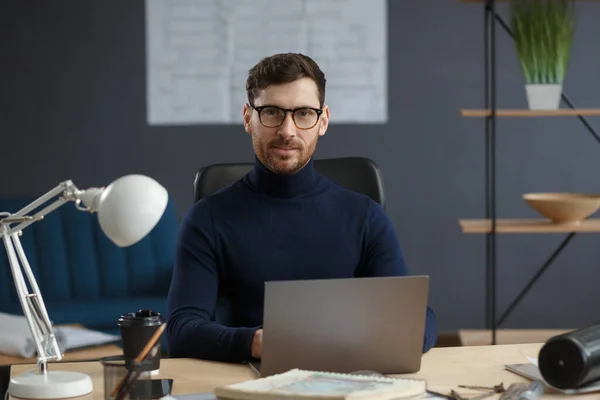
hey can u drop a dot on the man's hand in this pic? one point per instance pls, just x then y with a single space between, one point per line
256 348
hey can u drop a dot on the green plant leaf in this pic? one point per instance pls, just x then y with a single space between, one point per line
543 33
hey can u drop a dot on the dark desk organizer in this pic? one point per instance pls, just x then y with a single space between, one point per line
115 369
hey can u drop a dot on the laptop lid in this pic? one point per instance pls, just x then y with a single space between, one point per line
344 325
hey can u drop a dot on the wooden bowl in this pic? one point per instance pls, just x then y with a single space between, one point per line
564 208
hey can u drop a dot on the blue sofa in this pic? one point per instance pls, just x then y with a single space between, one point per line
84 278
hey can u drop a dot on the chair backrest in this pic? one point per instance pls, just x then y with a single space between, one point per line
355 173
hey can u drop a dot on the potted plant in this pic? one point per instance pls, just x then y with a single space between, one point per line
543 33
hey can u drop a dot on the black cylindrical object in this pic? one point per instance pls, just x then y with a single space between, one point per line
571 360
136 330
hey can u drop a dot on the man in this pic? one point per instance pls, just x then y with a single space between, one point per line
282 221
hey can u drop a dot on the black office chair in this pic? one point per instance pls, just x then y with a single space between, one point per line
355 173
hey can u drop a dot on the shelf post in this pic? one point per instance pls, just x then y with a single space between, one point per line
490 161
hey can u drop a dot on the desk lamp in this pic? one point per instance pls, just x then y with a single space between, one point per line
128 209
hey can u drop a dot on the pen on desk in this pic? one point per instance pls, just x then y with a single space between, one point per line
533 392
437 394
153 340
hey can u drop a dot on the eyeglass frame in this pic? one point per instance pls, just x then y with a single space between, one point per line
258 109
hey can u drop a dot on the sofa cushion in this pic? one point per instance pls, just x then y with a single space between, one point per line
104 314
98 315
84 278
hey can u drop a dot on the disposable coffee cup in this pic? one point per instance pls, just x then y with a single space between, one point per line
137 329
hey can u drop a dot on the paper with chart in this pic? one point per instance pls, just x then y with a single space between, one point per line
199 53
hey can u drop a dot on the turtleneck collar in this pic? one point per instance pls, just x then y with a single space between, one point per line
276 185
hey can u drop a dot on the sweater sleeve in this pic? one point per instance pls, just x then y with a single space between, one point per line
191 330
385 258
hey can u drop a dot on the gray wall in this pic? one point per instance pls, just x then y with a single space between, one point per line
73 107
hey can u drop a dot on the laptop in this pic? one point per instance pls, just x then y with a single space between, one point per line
344 325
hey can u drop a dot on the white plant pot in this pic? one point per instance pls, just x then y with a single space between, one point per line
543 96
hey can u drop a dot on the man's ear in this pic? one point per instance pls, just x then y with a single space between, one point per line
247 113
324 121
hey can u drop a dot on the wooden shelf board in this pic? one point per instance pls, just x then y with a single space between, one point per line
527 226
563 112
481 337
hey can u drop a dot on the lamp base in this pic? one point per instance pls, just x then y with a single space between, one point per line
51 385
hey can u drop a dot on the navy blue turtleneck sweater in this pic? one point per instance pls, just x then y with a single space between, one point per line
268 227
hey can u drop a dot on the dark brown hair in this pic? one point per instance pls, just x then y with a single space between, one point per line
283 68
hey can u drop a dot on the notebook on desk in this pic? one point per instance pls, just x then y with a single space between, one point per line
212 396
344 325
296 384
319 385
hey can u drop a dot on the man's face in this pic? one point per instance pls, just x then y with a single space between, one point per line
285 149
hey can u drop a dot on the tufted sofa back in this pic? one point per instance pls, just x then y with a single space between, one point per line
84 278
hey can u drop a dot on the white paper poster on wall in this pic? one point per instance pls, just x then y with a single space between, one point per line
199 53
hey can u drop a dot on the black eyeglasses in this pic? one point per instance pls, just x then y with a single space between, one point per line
273 116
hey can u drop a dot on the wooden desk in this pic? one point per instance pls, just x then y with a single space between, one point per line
444 369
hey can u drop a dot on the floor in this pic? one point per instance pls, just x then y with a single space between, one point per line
4 378
448 339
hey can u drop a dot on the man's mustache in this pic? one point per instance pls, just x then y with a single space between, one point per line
286 145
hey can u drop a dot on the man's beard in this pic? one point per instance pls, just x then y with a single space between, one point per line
279 164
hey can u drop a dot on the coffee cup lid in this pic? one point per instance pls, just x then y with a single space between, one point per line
141 318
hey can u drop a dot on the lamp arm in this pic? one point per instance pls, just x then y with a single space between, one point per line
67 191
32 302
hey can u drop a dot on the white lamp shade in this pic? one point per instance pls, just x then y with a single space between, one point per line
130 207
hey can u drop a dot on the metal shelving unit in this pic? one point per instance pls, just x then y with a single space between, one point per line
491 225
